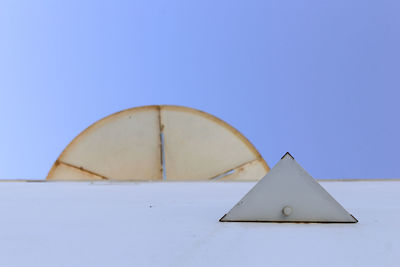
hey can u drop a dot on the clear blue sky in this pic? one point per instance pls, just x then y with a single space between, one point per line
320 79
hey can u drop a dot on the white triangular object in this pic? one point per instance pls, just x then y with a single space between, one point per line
288 194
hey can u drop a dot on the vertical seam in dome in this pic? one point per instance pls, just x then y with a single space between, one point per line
162 149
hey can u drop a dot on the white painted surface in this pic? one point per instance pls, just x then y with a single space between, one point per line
288 194
176 224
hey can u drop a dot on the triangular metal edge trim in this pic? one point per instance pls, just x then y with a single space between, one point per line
303 222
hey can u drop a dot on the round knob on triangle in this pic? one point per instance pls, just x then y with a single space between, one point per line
287 210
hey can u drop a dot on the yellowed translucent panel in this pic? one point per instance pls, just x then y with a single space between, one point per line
123 146
199 146
127 146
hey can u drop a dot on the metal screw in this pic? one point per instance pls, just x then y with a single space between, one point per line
287 210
